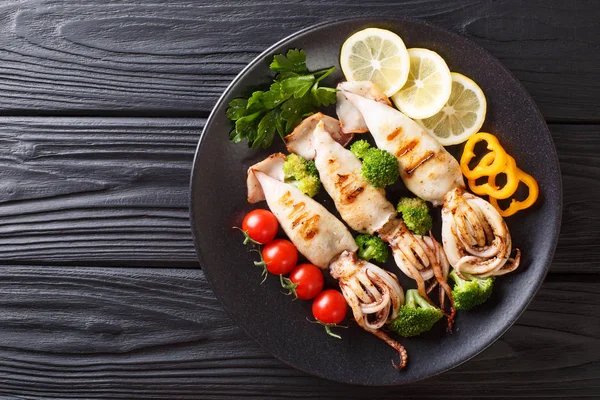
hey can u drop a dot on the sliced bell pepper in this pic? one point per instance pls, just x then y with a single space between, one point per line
490 188
516 205
494 168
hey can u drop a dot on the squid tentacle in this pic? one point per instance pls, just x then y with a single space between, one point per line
476 238
374 295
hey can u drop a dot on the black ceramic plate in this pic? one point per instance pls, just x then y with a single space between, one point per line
279 324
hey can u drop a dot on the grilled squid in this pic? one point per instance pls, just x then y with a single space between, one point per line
317 234
373 294
363 207
367 210
426 168
476 239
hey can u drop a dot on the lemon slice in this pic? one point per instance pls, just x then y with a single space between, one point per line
376 55
428 86
462 116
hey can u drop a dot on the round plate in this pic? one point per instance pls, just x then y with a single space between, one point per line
218 202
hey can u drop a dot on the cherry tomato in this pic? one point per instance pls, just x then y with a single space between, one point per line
329 307
281 256
309 280
260 225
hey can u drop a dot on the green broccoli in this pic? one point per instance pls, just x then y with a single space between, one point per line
415 316
302 174
360 148
468 294
379 167
371 248
415 214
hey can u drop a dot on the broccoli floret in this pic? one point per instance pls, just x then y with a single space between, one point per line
371 248
468 294
302 173
360 148
415 316
295 167
379 167
415 214
309 185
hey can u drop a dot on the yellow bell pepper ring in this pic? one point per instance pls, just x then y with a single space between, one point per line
479 189
516 205
481 169
490 188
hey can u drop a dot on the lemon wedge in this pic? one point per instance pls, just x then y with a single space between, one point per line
428 86
376 55
462 116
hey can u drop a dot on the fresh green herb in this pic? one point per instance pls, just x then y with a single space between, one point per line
294 94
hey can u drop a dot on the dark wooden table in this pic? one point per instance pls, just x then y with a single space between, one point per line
102 103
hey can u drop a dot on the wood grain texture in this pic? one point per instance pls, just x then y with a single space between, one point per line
176 57
578 147
160 333
114 191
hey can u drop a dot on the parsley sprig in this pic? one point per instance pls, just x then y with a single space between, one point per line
294 94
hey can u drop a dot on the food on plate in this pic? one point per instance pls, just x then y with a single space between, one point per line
326 242
279 256
306 281
317 234
517 205
416 316
351 120
259 226
329 309
470 291
497 162
371 248
301 139
461 117
374 295
489 187
379 167
364 207
367 210
302 174
426 168
295 92
490 166
422 259
428 86
376 55
449 108
415 214
475 236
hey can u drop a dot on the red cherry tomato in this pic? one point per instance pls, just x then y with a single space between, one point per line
309 280
260 225
281 256
330 307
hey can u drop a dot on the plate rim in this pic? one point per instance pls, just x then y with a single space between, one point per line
389 20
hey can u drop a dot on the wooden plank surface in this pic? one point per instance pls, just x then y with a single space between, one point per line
176 57
114 191
109 191
160 333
